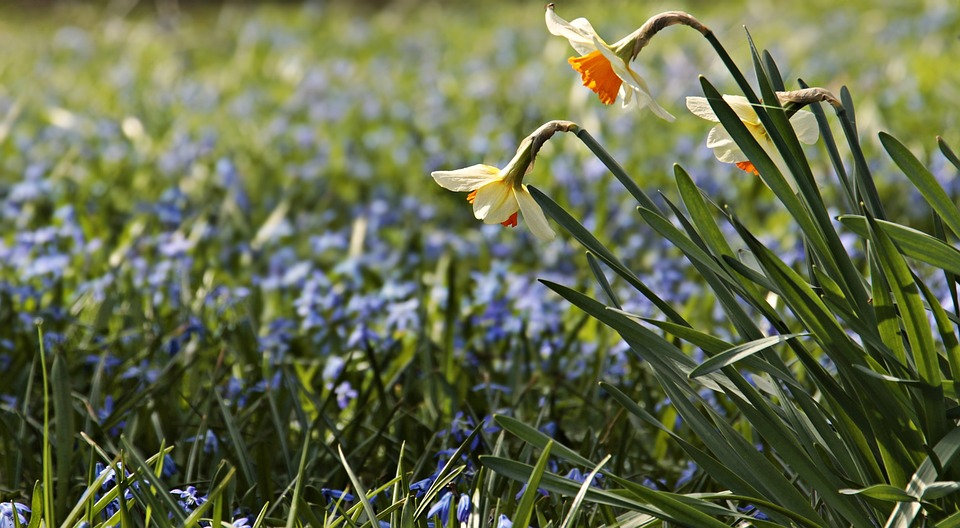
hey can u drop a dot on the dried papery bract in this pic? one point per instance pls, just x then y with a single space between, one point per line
656 23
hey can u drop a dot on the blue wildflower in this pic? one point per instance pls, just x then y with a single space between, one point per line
504 522
189 499
442 508
210 442
754 512
463 508
332 495
344 393
7 509
578 476
523 490
421 486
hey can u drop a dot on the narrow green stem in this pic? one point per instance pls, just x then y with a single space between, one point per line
616 169
732 67
48 513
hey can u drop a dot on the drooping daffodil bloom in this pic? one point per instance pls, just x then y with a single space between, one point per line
725 148
498 195
605 68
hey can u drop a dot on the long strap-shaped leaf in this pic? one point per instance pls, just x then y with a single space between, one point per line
945 451
671 368
913 318
911 242
589 241
924 181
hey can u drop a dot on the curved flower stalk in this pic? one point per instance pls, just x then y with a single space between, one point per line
605 68
726 150
498 195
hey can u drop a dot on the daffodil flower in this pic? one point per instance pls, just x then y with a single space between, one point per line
725 148
498 195
605 68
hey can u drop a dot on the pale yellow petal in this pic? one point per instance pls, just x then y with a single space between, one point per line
743 108
466 179
805 125
494 203
533 215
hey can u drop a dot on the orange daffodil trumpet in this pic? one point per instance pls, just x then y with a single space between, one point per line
498 195
605 68
726 150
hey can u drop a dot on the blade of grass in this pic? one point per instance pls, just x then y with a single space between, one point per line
524 512
578 500
361 492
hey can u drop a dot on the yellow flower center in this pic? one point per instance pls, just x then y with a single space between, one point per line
598 75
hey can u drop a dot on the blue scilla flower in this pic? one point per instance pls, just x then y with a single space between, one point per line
169 466
504 522
210 442
753 511
109 475
687 474
442 508
578 476
104 413
420 487
188 498
523 489
361 336
8 509
333 496
345 393
463 508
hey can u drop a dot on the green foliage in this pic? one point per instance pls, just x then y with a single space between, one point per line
857 399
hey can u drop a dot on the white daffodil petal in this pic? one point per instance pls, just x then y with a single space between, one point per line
494 203
533 215
730 155
657 109
701 108
583 26
805 125
581 38
466 179
633 84
718 137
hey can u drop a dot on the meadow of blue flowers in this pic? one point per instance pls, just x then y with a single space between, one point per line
219 228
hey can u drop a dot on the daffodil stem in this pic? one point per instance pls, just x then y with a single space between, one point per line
605 157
